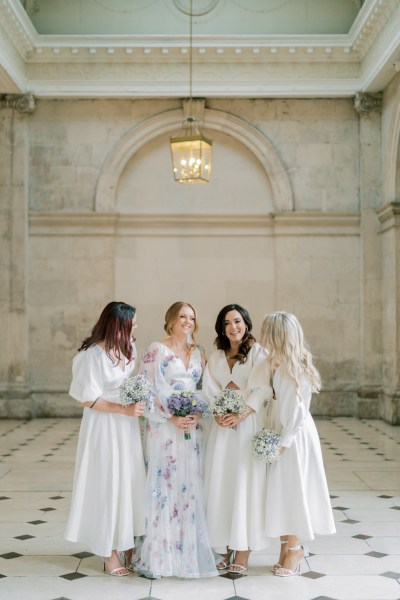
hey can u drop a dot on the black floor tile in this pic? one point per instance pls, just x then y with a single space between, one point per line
72 576
391 574
37 522
82 554
233 576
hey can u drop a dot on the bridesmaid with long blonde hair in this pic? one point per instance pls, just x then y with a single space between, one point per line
298 504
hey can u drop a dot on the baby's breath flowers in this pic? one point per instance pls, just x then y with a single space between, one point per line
265 445
135 389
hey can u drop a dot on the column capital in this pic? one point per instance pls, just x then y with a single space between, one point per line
389 215
23 103
366 103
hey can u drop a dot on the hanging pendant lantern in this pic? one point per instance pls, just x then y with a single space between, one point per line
190 149
191 155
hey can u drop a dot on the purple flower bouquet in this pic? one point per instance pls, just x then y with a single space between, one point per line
183 403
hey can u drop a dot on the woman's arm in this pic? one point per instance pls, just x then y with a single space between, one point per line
100 405
293 407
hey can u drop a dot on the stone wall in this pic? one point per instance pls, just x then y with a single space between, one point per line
289 221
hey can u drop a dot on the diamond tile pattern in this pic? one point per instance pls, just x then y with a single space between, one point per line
364 492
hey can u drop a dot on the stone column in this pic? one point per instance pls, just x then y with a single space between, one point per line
14 377
369 106
389 217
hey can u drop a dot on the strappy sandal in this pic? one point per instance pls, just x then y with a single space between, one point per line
239 569
224 564
278 565
128 563
116 572
284 572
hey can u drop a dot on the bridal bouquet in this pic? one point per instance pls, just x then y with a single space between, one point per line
135 389
229 401
183 403
265 445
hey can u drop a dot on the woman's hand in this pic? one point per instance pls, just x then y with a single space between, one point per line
184 423
282 450
135 410
220 421
233 419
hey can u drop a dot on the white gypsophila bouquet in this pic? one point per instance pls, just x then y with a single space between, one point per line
265 445
135 389
228 401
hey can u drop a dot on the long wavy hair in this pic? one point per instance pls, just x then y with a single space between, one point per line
222 342
113 329
172 316
282 335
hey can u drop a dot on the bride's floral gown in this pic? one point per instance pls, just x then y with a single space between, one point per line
176 541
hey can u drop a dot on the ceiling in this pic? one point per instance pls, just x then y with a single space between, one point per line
241 48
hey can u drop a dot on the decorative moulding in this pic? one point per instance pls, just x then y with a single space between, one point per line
169 122
366 103
53 65
389 216
23 103
87 224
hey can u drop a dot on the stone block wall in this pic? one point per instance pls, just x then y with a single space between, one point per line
315 252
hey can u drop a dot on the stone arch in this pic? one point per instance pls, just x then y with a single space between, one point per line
391 149
170 121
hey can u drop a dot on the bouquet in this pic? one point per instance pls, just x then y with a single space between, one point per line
265 445
135 389
229 401
185 403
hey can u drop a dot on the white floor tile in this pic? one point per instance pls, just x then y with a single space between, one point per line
358 483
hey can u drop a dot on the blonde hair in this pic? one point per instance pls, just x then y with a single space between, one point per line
172 315
282 335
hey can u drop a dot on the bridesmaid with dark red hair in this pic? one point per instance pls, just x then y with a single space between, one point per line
107 508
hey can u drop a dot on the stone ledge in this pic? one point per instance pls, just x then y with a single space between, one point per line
39 405
329 403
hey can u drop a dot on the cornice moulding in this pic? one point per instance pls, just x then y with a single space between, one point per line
282 224
370 47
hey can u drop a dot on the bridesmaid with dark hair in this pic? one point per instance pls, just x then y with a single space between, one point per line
107 508
235 483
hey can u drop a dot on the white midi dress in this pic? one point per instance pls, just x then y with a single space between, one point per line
176 542
235 482
107 508
298 500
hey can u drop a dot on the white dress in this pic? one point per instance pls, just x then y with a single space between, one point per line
297 499
107 508
235 482
176 542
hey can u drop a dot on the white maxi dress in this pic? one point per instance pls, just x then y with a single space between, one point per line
298 500
235 482
176 542
107 508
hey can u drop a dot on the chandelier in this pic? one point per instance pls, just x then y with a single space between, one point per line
190 149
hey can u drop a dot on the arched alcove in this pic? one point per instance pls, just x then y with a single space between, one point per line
239 184
167 123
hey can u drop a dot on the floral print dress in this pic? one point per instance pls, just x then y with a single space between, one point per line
176 542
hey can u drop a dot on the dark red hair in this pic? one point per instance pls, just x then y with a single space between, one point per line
114 329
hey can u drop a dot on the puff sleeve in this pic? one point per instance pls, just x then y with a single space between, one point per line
293 407
259 380
87 376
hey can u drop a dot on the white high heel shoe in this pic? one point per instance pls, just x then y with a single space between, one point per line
283 572
278 565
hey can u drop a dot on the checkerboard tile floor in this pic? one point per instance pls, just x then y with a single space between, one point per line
360 562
